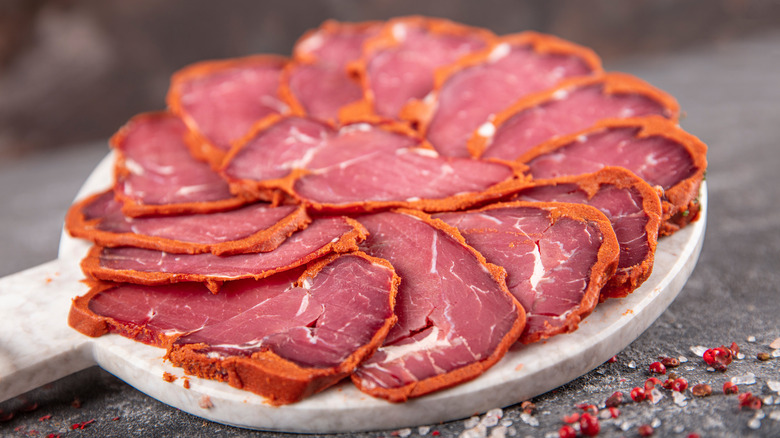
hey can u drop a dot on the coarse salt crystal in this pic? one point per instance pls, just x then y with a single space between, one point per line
498 432
698 350
404 432
744 379
740 356
656 423
774 385
775 344
683 359
656 395
604 414
776 353
423 430
775 415
489 421
478 431
632 365
768 400
529 419
754 423
679 399
471 422
751 338
506 423
679 428
625 426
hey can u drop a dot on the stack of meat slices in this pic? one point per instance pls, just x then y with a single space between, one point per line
400 202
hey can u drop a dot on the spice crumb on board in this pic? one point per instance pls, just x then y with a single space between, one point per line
168 377
205 402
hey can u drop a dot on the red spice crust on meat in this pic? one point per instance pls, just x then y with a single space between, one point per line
77 224
613 83
467 372
264 372
271 189
386 40
680 203
133 208
92 268
623 281
420 112
600 273
200 145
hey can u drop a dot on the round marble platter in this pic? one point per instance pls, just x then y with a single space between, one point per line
523 373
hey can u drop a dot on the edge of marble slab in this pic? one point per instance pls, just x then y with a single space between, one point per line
521 374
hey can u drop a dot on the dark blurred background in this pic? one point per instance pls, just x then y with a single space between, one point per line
74 71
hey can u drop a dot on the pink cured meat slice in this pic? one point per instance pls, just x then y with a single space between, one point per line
455 316
319 80
471 95
252 228
556 262
412 177
222 100
402 68
150 267
156 174
335 44
312 327
572 108
294 143
630 204
653 148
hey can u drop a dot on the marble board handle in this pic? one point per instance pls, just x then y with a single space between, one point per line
36 344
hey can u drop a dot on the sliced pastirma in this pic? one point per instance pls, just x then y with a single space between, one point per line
415 178
456 317
317 82
156 174
399 64
150 267
557 256
251 228
655 149
284 337
220 101
632 207
278 151
573 106
468 93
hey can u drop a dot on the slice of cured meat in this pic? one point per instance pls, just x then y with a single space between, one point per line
399 64
557 257
655 149
456 317
317 82
632 207
150 267
574 106
269 159
156 174
221 100
284 337
252 228
471 91
412 178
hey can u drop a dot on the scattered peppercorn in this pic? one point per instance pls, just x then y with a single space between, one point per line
76 403
693 435
82 425
567 432
669 362
734 348
6 416
748 400
763 356
657 368
573 418
614 400
638 394
45 417
646 430
612 359
614 412
679 384
650 383
701 390
718 358
589 425
528 407
730 388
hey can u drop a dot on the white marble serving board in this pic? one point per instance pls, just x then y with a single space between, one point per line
37 347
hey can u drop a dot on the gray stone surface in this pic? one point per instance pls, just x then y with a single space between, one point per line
730 93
